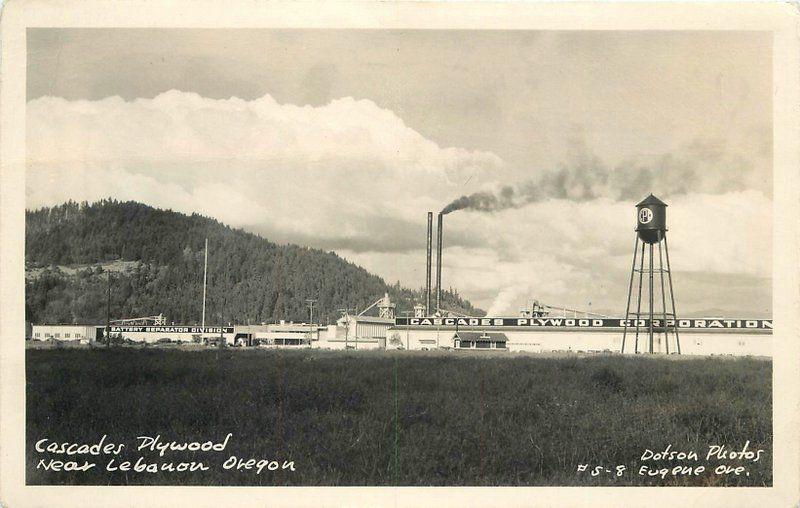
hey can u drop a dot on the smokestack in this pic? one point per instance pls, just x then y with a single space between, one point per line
428 266
439 261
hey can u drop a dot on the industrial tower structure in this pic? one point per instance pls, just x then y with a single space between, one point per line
651 230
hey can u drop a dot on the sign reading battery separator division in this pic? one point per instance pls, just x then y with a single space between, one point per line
171 329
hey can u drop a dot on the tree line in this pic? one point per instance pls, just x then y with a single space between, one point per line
251 280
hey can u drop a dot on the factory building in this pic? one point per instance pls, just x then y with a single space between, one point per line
361 331
244 335
356 332
81 333
173 333
479 340
288 335
350 332
739 337
536 335
279 335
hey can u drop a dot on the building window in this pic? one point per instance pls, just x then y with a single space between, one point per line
465 344
35 334
483 344
58 335
500 345
66 335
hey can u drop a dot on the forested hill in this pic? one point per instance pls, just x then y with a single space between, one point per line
156 261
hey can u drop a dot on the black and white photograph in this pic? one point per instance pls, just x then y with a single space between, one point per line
398 256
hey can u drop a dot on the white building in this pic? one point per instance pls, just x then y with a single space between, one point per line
357 332
172 333
698 337
281 334
82 333
289 335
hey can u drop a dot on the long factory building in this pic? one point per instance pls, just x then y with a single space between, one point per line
357 333
709 336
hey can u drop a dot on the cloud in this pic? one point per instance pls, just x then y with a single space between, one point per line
179 126
352 176
316 171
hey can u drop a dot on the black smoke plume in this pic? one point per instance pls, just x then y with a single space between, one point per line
701 168
483 201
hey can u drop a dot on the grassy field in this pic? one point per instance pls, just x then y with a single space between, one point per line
399 418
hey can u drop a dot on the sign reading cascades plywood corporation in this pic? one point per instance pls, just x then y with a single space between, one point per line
552 322
171 329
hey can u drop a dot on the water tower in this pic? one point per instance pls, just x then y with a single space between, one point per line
651 231
385 307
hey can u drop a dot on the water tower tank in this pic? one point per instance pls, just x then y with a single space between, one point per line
651 219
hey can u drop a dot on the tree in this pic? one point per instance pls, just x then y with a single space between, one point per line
250 277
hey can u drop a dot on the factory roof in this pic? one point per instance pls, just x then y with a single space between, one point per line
475 336
67 324
369 319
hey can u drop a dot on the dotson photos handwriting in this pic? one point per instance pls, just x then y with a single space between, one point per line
718 459
80 457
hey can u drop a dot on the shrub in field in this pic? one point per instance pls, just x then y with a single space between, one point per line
608 378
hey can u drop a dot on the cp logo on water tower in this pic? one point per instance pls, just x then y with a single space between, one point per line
645 215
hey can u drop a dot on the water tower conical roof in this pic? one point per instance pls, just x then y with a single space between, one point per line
651 200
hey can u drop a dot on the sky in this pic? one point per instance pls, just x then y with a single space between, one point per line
344 139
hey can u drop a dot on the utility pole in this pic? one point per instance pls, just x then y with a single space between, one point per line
407 313
108 310
222 342
311 303
205 273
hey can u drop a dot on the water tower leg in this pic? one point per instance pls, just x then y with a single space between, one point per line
651 299
672 295
639 300
663 299
630 290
